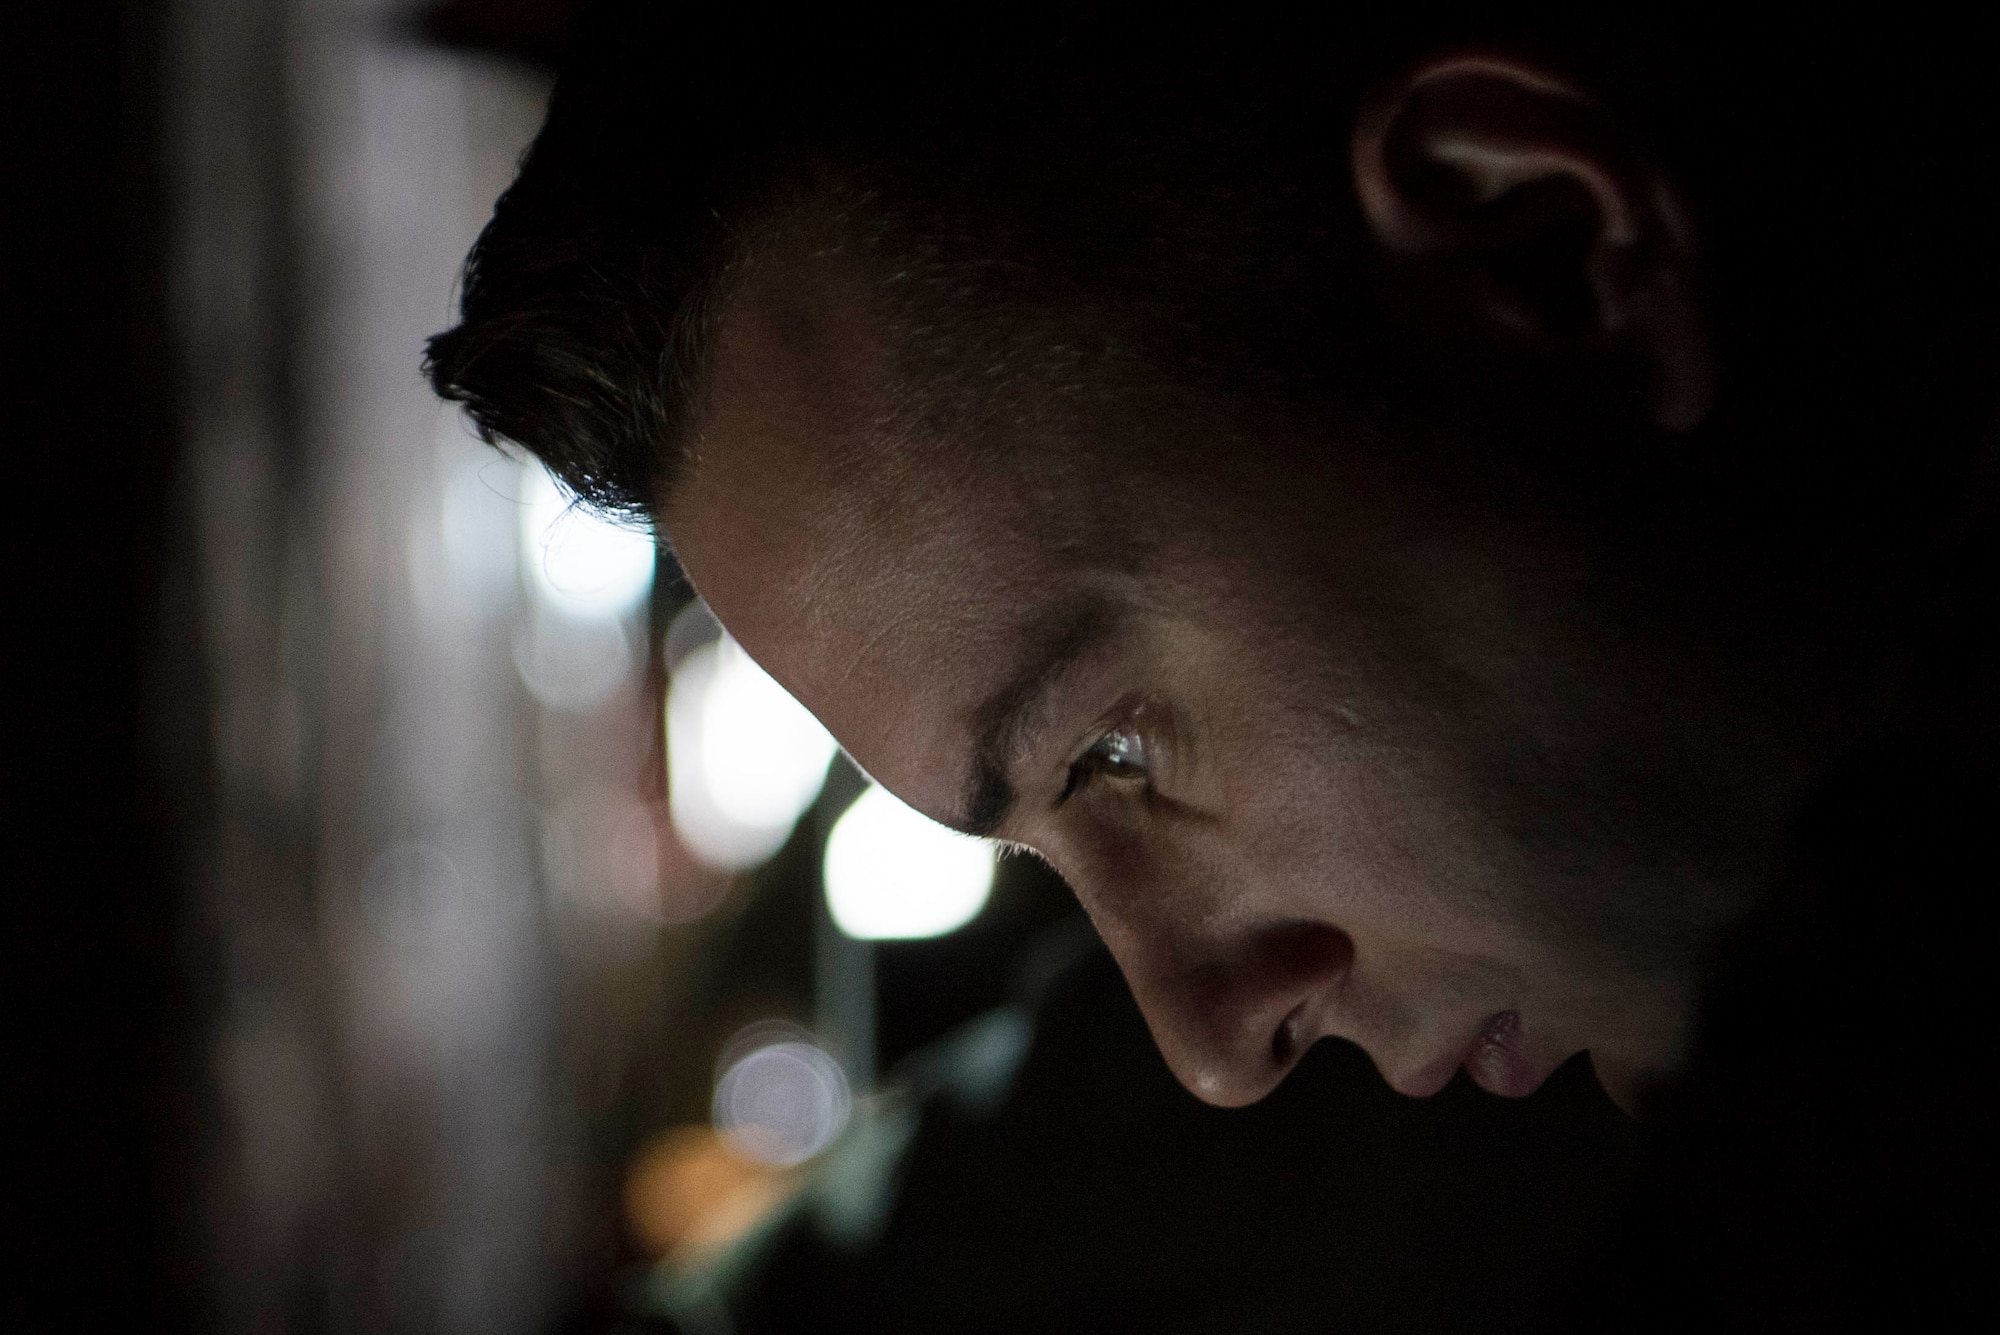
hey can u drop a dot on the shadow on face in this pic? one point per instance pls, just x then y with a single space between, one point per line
1323 748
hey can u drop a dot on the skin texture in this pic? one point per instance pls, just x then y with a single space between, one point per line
1323 747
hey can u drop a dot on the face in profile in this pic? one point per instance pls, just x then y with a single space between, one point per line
1323 748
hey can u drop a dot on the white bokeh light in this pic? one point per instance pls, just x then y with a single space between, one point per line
572 663
744 758
476 525
893 873
782 1103
578 562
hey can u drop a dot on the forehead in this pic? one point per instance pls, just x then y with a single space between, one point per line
876 578
893 636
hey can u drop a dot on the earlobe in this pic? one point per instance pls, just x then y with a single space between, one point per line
1534 213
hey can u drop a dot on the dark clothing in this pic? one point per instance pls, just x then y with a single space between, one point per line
1828 1165
1096 1195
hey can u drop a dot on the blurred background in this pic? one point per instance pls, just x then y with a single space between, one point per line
426 919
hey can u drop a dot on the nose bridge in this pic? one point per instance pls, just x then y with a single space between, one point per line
1220 1013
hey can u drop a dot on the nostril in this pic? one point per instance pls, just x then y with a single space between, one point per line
1298 963
1233 1024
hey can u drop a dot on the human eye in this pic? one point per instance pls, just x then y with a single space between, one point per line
1119 753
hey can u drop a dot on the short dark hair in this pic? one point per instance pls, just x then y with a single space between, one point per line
1191 169
580 305
1184 174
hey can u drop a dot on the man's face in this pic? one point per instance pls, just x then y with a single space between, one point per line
1318 756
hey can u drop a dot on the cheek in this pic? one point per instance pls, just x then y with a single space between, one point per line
1143 874
1103 864
1322 817
1333 845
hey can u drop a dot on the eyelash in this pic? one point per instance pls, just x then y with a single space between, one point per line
1092 763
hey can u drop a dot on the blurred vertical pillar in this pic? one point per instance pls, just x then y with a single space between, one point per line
844 997
369 923
844 991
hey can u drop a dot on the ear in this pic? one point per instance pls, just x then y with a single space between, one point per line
1531 215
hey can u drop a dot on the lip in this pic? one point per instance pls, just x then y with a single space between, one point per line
1501 1059
1423 1081
1498 1060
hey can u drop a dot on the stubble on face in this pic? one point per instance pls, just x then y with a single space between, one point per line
890 580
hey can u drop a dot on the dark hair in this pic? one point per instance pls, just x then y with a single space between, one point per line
580 306
1182 176
1022 161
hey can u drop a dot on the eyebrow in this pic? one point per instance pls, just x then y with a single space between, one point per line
1051 646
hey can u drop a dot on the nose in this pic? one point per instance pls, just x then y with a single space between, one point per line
1233 1022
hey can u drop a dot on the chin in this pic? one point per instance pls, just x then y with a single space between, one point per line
1624 1083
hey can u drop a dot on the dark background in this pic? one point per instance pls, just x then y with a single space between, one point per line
1103 1182
90 909
1104 1195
